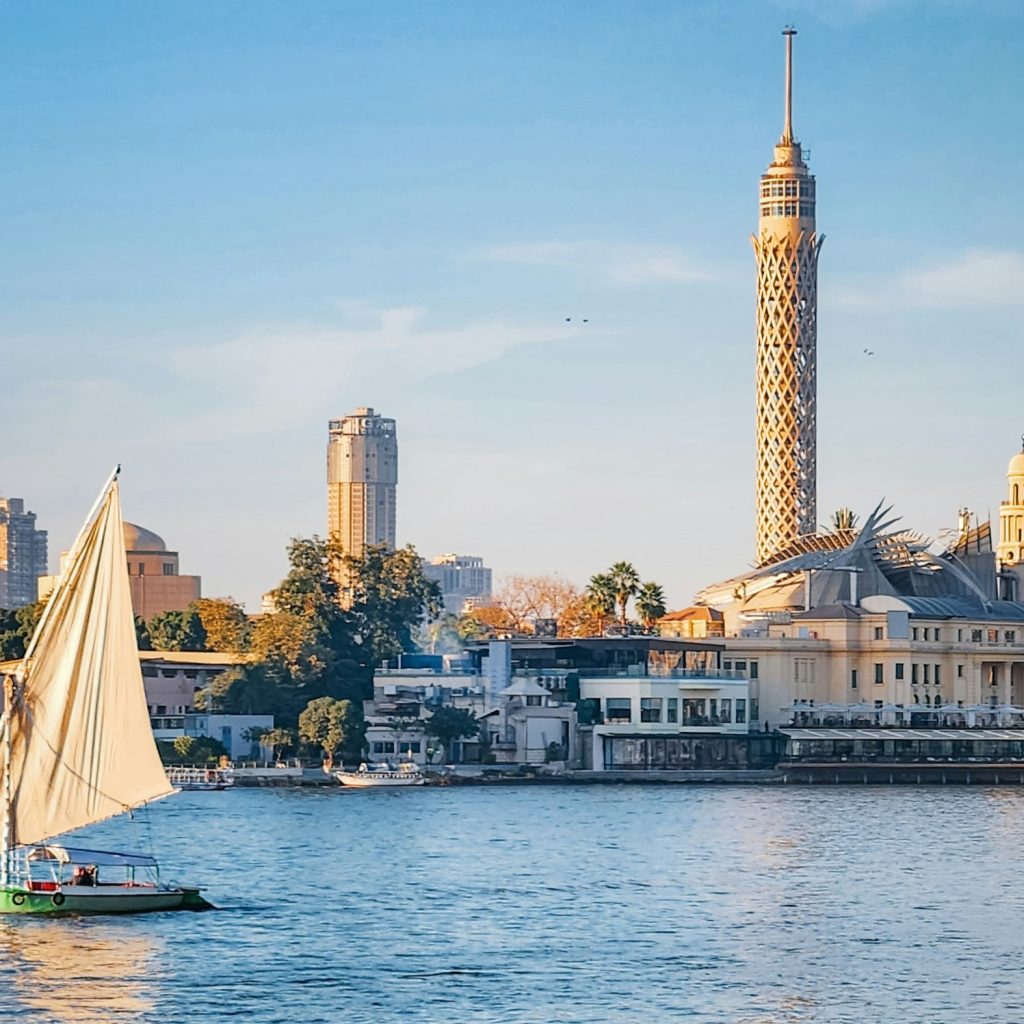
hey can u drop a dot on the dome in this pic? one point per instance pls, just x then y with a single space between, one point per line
138 538
1016 467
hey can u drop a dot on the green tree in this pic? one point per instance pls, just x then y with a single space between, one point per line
280 741
177 631
336 726
600 596
389 598
650 603
183 746
16 628
310 590
449 724
225 623
625 582
248 689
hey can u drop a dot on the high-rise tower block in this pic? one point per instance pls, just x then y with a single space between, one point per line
362 481
786 248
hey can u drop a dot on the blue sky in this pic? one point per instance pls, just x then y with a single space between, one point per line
224 223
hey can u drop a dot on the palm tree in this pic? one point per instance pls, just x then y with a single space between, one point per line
650 603
626 582
600 595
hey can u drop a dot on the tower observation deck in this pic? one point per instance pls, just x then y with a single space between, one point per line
786 248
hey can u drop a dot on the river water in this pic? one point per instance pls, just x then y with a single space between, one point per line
620 903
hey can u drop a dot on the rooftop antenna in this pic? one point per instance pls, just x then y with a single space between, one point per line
787 129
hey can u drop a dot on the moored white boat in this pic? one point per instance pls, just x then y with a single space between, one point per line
371 775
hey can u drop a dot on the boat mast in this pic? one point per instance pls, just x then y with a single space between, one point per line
7 838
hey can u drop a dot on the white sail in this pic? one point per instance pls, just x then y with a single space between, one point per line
81 746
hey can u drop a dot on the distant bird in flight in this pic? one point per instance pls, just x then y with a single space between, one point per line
868 352
568 320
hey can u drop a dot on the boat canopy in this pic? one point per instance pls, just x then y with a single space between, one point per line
101 858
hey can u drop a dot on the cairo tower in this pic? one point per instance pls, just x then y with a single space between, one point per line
786 248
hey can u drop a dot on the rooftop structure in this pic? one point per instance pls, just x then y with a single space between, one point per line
786 248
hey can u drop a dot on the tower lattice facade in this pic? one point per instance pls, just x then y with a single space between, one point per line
786 248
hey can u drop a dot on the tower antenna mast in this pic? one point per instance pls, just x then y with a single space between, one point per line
787 127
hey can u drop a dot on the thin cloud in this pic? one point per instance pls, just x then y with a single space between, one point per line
622 264
975 279
270 377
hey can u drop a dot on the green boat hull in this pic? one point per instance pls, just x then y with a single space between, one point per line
15 900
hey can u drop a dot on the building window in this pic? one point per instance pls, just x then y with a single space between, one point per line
1010 636
740 666
673 710
975 636
927 674
725 716
853 679
695 711
650 709
960 670
938 672
913 673
878 703
899 669
727 665
879 633
913 633
879 672
142 568
753 670
533 700
936 634
168 568
959 636
618 709
993 636
741 710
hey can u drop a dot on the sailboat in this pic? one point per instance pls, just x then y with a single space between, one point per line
76 745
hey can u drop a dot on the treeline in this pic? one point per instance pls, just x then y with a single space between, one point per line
319 642
616 596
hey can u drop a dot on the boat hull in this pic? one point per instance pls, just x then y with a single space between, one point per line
85 901
367 780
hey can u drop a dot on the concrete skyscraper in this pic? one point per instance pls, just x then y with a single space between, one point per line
362 481
786 248
22 554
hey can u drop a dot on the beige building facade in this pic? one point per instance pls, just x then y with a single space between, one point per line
898 654
786 248
1010 550
362 481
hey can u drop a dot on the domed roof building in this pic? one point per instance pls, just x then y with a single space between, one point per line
156 583
138 538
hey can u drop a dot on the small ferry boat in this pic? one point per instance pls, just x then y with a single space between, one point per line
369 775
198 778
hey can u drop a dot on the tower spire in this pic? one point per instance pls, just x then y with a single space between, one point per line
787 127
